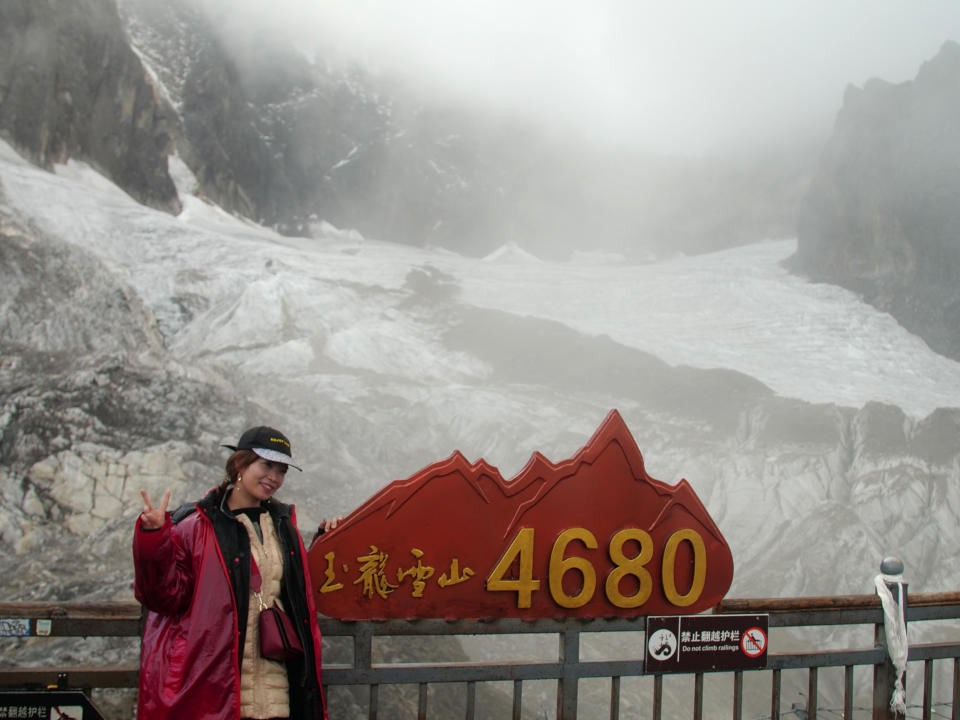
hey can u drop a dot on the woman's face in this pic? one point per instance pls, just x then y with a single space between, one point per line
258 482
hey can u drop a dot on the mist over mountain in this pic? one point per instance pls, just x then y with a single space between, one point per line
288 141
290 263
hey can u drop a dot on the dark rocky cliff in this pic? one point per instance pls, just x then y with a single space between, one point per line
287 143
71 87
882 216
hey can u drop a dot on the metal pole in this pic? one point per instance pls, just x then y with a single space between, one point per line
885 674
567 684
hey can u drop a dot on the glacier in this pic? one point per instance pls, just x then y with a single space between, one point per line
820 435
736 309
328 335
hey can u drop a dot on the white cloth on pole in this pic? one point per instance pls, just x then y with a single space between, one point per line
895 629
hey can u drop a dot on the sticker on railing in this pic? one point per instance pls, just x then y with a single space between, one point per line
593 536
14 627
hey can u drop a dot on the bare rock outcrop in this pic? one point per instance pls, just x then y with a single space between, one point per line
881 218
71 87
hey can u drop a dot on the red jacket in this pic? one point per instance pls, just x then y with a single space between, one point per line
187 573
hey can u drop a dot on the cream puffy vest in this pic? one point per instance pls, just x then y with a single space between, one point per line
264 690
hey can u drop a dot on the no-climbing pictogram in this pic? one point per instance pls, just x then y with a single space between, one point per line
753 642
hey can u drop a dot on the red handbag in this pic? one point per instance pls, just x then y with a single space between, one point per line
278 636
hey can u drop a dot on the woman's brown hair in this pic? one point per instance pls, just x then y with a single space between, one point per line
236 464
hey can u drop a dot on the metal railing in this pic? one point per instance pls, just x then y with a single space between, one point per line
568 669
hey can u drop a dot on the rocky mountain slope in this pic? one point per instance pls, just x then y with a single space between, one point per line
881 216
70 86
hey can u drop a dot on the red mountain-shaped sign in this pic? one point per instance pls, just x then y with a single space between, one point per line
593 536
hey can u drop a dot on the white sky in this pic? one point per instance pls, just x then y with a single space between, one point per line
683 76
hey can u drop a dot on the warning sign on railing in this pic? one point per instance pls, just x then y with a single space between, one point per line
703 643
48 705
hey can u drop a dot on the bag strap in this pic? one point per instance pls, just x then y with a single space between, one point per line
256 582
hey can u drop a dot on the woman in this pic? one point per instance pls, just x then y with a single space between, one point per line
200 656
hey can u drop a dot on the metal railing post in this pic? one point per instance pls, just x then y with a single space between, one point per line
885 674
363 662
567 685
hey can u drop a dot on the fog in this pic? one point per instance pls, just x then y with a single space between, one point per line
690 77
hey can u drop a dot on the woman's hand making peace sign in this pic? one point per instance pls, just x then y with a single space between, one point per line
152 518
